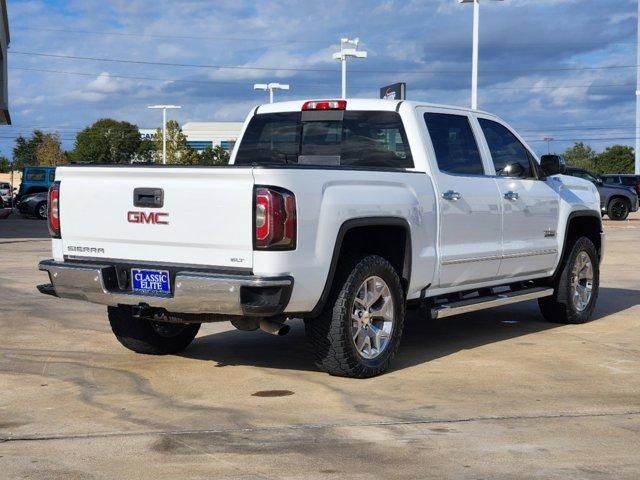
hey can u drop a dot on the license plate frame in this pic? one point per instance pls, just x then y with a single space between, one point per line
150 280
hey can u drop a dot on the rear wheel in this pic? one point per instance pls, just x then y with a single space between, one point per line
576 287
618 209
41 210
359 331
150 337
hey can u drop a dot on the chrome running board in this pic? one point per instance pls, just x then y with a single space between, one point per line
481 303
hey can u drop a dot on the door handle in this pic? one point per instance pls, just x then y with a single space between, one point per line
148 197
513 196
451 195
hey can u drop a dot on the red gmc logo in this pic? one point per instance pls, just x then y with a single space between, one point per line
155 218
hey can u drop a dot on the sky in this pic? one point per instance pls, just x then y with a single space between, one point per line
551 68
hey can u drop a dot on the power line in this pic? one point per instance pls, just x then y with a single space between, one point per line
279 40
215 82
160 79
317 70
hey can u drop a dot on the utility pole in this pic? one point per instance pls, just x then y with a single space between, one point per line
476 48
348 48
549 140
164 109
270 87
637 169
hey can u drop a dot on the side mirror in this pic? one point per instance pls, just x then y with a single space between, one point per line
599 182
552 165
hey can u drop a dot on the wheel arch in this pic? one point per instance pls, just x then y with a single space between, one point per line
348 239
587 223
618 197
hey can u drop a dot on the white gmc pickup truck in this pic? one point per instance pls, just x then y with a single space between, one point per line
341 212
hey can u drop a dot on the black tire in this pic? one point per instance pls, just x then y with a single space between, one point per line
618 209
41 211
151 338
330 334
560 307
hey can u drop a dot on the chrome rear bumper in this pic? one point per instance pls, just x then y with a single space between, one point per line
193 292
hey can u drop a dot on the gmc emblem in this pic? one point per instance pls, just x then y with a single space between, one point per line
155 218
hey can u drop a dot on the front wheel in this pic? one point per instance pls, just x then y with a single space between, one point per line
146 336
618 209
41 210
576 287
358 333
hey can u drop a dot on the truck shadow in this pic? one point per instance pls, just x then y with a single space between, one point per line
423 341
18 228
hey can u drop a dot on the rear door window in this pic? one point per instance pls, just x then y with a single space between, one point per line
455 146
36 175
510 157
630 181
350 138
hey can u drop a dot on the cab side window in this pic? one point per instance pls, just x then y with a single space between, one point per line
454 144
510 157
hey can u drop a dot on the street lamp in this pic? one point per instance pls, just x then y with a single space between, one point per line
548 140
476 41
164 109
270 87
348 48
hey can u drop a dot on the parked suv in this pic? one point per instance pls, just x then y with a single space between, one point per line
617 201
35 180
626 180
339 212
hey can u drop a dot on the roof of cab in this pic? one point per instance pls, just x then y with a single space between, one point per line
357 104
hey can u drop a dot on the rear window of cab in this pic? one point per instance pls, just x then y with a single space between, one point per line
349 138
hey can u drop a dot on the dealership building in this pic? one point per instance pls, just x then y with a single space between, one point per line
202 135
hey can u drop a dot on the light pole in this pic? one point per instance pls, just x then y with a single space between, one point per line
270 87
549 140
637 169
164 109
476 41
348 48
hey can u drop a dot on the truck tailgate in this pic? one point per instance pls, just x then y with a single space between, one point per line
205 219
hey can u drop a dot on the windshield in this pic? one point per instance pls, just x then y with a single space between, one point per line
357 138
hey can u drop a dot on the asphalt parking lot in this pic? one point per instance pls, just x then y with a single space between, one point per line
495 394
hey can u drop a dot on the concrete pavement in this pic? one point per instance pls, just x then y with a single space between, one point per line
495 394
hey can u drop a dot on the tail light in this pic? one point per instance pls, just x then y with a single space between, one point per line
275 219
53 207
325 105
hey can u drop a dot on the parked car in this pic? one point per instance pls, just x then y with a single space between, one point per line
35 180
617 201
340 212
6 194
626 180
34 205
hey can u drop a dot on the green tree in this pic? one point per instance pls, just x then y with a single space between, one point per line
190 157
214 156
581 156
146 151
5 166
107 141
176 143
50 152
24 152
616 159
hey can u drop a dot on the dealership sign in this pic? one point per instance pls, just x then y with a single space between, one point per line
397 91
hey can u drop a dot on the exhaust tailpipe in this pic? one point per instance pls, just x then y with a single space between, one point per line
274 328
